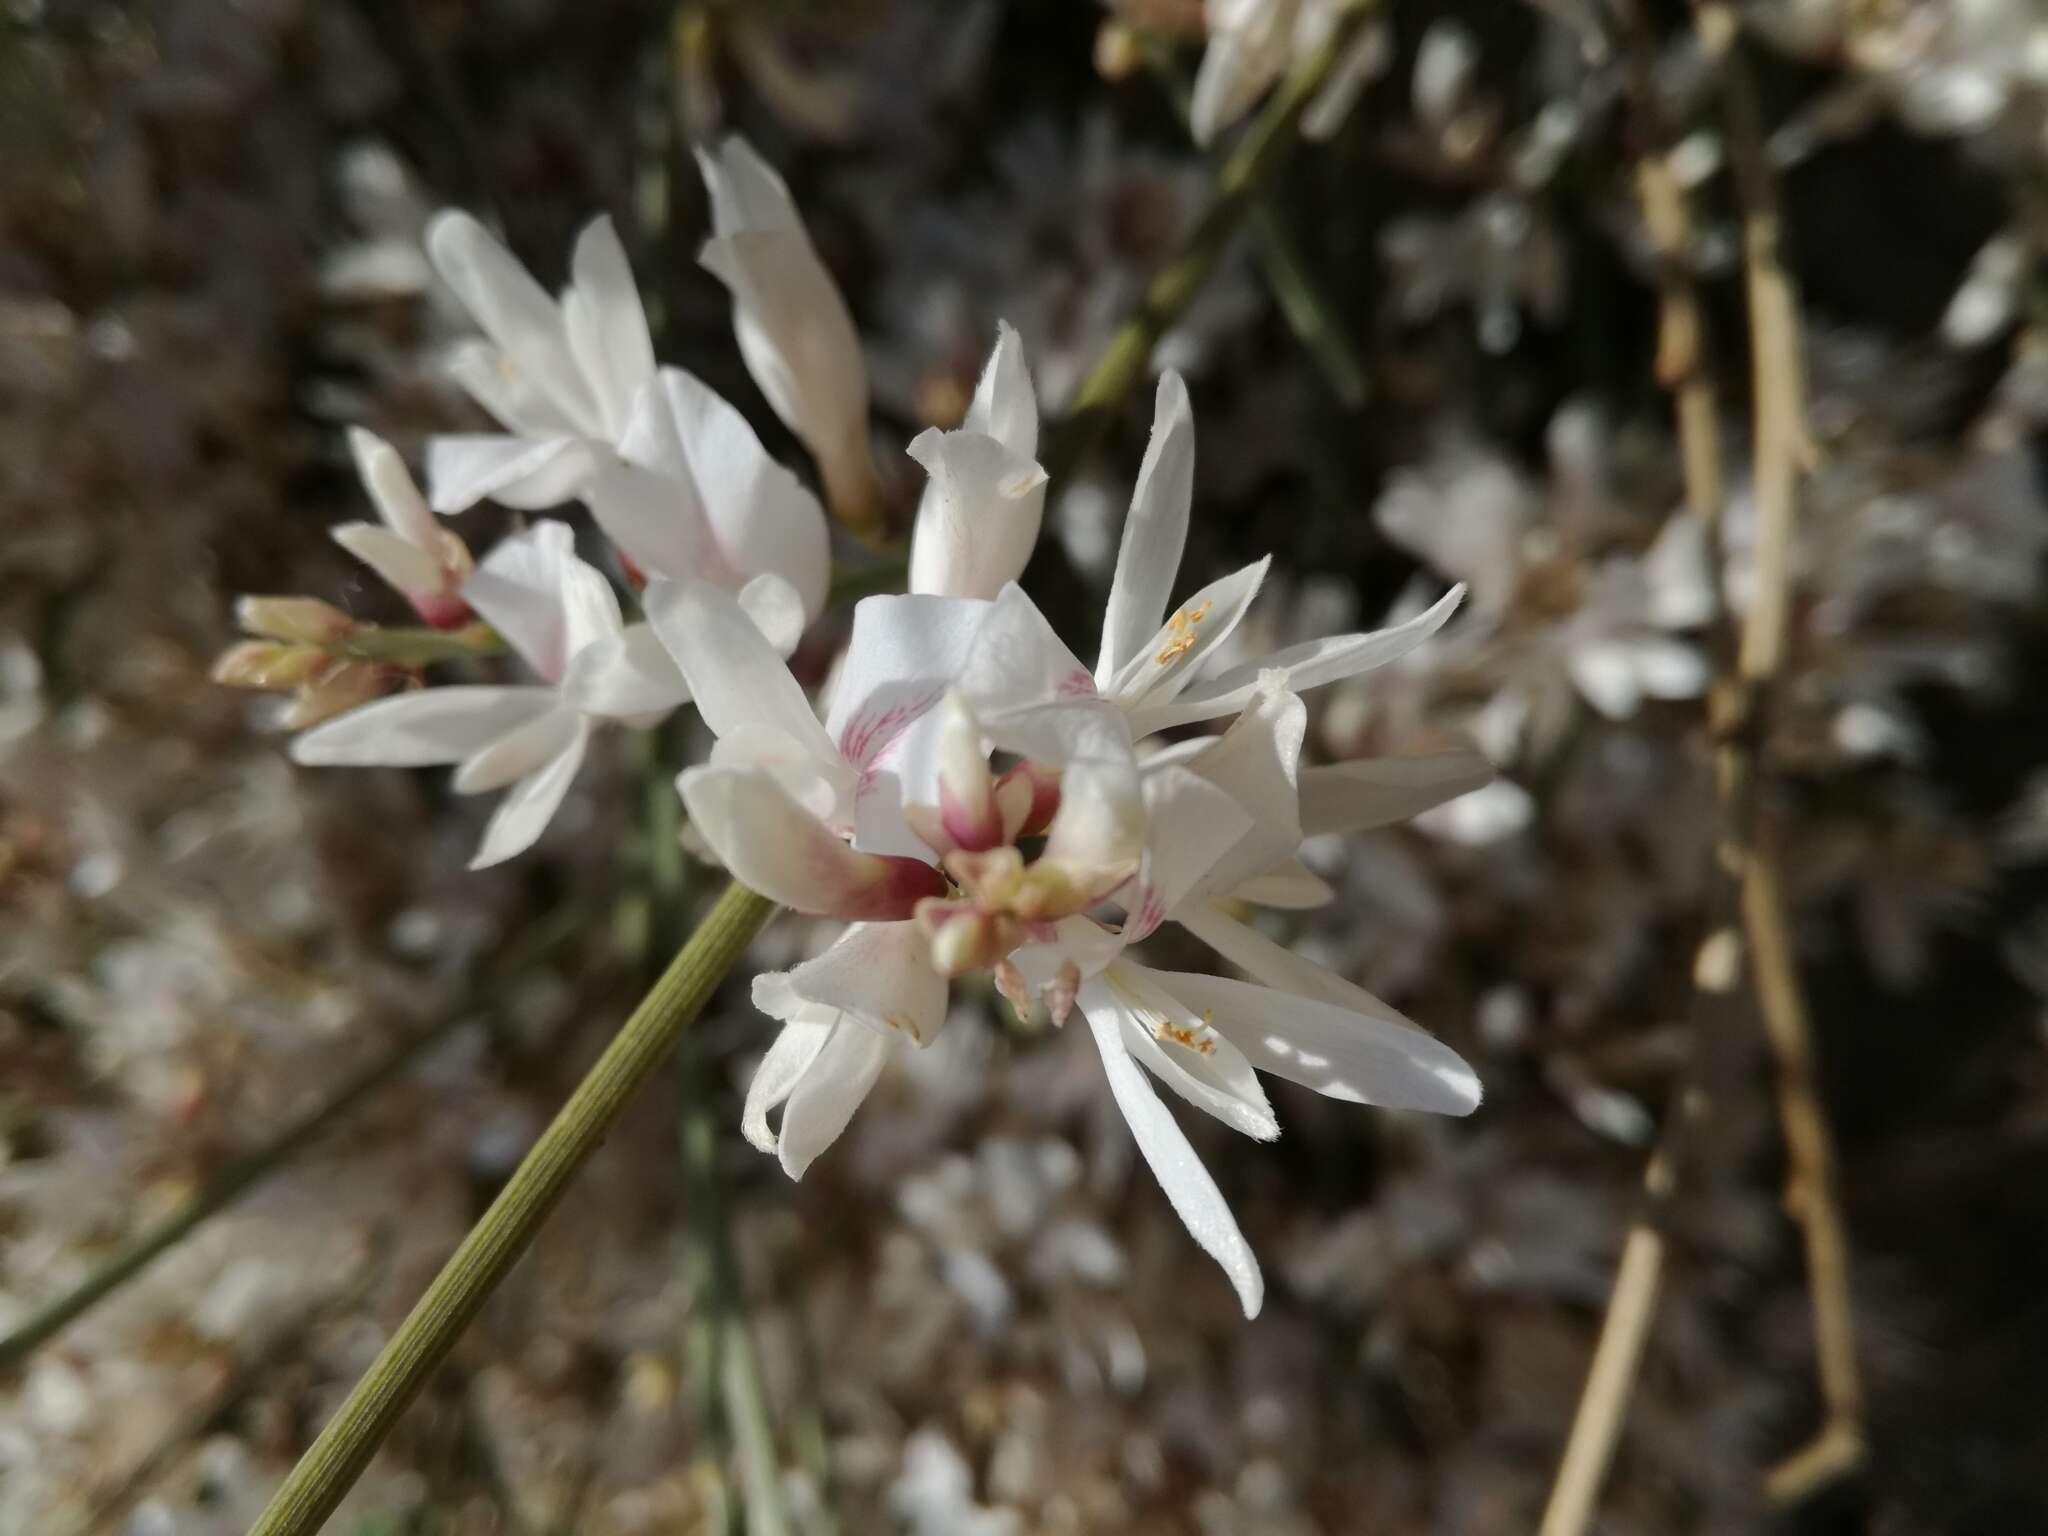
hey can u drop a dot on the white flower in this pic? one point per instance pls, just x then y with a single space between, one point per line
1153 670
694 494
561 378
421 560
562 618
980 515
1252 43
793 326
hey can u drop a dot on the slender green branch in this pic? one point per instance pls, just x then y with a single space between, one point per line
417 645
1305 304
249 1170
423 1340
1266 146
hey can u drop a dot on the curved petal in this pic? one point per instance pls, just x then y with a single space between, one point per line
1193 1194
628 676
504 391
1301 667
795 1048
1338 1052
389 484
513 310
776 609
1254 763
518 753
530 805
1155 531
1005 406
657 522
979 517
830 1090
423 729
1192 824
527 473
607 327
1186 642
519 590
1378 791
405 568
1291 886
771 843
1237 68
904 651
761 517
735 676
878 973
1180 1048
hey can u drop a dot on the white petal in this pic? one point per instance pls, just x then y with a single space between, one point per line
518 753
1101 819
829 1092
1338 1052
1237 69
627 676
795 1048
1031 693
1254 763
1301 666
793 327
979 517
405 568
773 844
1155 531
1485 815
1202 1067
1194 1195
1670 669
777 610
530 805
519 590
879 973
527 473
1275 965
762 518
735 676
1378 791
1291 886
608 329
1005 406
1185 643
1605 673
389 484
1192 824
903 653
506 392
416 730
657 523
513 310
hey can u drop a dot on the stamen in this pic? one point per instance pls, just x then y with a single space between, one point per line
1182 627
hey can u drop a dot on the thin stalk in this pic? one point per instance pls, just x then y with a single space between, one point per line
1307 307
487 1254
418 646
249 1170
1266 147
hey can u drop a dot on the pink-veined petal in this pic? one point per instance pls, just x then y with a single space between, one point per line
773 844
735 676
1173 1161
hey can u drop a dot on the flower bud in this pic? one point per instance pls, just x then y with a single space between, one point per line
268 664
302 620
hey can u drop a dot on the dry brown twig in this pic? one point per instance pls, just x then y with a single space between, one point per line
1747 884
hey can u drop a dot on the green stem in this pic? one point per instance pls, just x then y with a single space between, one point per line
1306 306
494 1244
245 1172
1266 146
417 645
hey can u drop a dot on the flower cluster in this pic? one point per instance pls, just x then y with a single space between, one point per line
974 798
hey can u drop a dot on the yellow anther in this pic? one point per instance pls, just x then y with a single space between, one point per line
1182 627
